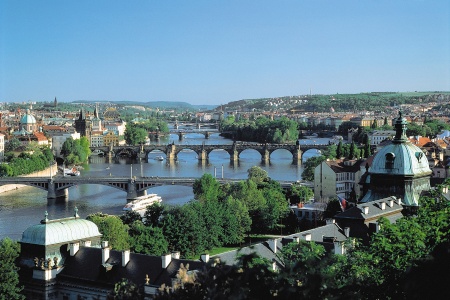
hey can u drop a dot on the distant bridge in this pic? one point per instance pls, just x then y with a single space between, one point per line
203 151
57 186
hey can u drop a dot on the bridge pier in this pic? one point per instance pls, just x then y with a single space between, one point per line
171 152
206 135
203 156
297 157
131 191
266 155
53 193
180 136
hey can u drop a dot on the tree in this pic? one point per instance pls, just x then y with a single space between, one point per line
310 165
339 151
153 214
9 278
147 239
12 145
135 135
126 290
257 174
112 229
206 188
299 193
130 216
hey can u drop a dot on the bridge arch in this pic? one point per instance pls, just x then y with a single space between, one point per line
128 152
312 152
261 152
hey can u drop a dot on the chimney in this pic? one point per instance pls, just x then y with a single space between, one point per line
365 210
399 201
204 257
165 260
74 247
347 231
86 243
176 255
330 221
339 248
273 245
274 265
105 251
383 205
391 203
296 239
307 236
125 257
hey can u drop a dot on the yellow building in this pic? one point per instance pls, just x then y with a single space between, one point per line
110 137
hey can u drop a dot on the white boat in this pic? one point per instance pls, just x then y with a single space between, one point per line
142 202
159 157
71 172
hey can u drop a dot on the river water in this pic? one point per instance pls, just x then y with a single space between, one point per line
22 208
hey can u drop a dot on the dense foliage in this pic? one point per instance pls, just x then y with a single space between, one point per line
137 132
9 278
220 215
35 159
405 260
261 130
76 151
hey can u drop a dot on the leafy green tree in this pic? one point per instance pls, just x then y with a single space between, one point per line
126 290
236 221
299 193
135 135
257 174
147 239
6 170
153 214
12 145
112 229
206 188
9 278
339 151
130 216
310 165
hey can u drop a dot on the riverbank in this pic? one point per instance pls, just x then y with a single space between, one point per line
43 173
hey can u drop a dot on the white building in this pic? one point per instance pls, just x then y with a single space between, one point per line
378 136
118 127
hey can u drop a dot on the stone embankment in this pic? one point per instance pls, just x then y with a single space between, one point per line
43 173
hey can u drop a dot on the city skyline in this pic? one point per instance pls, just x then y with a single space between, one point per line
210 52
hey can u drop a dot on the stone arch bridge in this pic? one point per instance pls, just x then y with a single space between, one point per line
203 151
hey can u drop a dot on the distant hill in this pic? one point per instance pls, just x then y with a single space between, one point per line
155 104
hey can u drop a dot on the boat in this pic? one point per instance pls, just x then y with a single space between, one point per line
159 157
142 202
71 172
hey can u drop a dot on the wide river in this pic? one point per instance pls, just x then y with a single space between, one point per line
22 208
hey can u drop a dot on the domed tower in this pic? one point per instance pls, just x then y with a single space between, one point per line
399 169
28 123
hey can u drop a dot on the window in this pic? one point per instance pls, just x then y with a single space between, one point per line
390 157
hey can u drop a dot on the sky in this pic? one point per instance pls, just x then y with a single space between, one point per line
217 51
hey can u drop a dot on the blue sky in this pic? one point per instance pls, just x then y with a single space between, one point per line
214 52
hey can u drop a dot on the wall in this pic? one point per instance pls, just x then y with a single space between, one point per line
43 173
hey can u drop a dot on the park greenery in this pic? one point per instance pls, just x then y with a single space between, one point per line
137 132
76 151
33 159
220 215
261 129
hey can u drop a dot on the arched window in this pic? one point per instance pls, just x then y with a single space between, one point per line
390 157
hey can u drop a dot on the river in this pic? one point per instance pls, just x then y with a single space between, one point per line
22 208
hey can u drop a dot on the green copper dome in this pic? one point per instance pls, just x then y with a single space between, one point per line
400 157
399 169
60 231
28 119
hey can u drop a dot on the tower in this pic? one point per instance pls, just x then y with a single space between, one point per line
83 125
399 169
